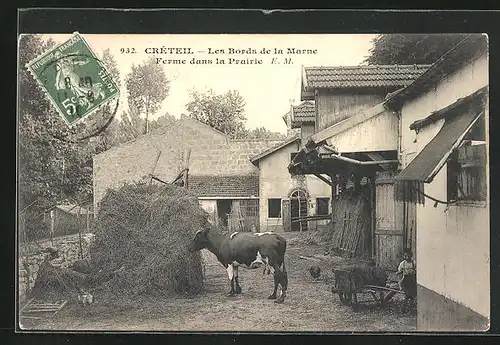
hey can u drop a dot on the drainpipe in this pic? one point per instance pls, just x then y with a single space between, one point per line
355 161
400 138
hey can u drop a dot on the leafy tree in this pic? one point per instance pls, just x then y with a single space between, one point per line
50 170
110 135
162 121
401 49
225 112
110 64
263 133
147 87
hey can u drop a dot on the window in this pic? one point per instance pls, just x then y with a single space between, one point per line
274 208
466 170
322 206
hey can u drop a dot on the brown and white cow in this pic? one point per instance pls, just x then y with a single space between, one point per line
249 249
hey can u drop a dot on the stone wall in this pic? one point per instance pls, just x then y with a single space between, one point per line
32 255
212 154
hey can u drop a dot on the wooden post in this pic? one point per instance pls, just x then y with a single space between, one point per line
373 215
158 154
52 225
80 232
333 187
186 173
88 220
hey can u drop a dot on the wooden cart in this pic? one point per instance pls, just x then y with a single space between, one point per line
348 286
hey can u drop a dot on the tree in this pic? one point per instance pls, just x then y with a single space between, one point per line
110 136
391 49
50 170
147 87
162 121
109 63
225 112
263 133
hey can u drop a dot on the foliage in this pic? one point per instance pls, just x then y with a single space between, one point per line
147 87
109 136
50 170
262 133
224 112
391 49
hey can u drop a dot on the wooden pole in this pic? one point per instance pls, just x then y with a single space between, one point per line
80 232
52 225
153 168
186 173
88 220
333 187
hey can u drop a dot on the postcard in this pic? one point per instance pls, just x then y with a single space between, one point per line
253 182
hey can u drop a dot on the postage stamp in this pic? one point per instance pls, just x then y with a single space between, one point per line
74 79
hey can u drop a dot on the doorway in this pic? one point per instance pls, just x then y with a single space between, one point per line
298 209
223 210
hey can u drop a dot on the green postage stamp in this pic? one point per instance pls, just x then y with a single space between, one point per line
74 79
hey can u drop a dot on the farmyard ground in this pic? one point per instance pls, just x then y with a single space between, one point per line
310 305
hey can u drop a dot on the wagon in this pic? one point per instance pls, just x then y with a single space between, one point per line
348 285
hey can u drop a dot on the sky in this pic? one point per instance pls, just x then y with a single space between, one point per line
267 88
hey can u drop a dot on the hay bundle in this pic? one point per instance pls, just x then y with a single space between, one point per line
147 229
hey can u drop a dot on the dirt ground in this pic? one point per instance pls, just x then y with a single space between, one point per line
310 305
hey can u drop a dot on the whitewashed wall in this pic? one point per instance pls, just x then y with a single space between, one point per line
452 243
376 134
276 182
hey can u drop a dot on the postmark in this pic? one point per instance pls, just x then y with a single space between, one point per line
74 79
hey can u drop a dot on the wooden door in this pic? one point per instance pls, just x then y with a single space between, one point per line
389 239
286 213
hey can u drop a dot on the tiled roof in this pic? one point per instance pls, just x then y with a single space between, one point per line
70 208
467 50
305 111
361 76
265 153
224 186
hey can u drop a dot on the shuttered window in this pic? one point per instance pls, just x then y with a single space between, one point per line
322 206
274 208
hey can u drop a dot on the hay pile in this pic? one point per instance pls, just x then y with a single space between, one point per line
147 229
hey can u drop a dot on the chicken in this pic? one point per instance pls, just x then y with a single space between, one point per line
315 272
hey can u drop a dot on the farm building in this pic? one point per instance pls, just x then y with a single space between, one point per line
354 150
220 171
283 197
423 149
68 219
443 152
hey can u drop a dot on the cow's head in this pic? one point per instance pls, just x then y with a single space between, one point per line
200 240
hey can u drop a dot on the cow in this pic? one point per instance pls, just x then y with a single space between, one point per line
249 249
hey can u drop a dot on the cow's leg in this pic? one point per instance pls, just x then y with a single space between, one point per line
237 287
230 275
283 282
276 284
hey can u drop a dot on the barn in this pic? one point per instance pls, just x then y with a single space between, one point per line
354 151
444 160
421 142
220 171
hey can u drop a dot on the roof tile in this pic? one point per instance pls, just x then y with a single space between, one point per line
362 76
224 186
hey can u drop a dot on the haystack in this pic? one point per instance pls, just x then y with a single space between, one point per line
147 229
141 248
